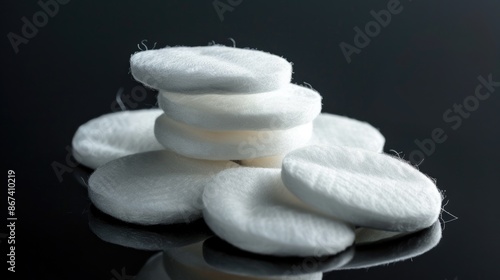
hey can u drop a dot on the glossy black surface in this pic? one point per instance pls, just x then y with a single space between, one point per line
427 59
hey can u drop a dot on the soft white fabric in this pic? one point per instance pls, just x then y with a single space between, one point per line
115 135
364 188
225 257
286 107
188 263
158 238
329 129
395 250
158 187
210 68
251 209
228 145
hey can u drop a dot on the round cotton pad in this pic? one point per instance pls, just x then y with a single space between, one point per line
115 135
213 68
337 130
228 145
158 187
333 130
188 263
286 107
252 210
364 188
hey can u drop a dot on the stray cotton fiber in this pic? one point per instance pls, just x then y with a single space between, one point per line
228 145
115 135
251 209
158 187
364 188
286 107
210 68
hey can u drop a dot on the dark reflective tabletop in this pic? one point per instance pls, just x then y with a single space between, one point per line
433 68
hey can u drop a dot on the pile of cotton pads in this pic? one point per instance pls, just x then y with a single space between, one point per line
235 142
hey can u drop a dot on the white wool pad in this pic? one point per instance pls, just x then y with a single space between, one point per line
364 188
330 129
252 210
286 107
215 68
158 187
188 263
228 145
115 135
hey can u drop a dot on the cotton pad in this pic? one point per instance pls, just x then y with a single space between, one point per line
225 257
158 187
338 130
228 145
329 129
210 68
364 188
252 210
148 238
395 250
286 107
188 263
115 135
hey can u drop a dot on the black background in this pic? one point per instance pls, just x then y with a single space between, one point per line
426 60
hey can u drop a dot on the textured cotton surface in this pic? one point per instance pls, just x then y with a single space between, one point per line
369 235
365 188
150 238
225 257
330 129
214 68
188 263
158 187
228 145
287 107
395 250
115 135
251 209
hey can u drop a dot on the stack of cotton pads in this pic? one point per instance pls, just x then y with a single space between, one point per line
239 145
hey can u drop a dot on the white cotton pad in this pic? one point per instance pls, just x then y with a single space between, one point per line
158 187
212 68
228 145
286 107
225 257
364 188
395 250
188 263
148 238
252 210
329 129
115 135
338 130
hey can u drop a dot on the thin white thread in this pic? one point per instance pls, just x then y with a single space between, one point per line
119 99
